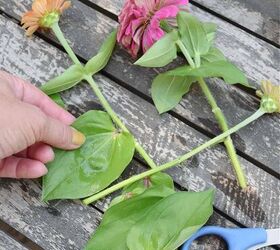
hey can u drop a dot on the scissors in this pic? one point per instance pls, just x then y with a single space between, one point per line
239 238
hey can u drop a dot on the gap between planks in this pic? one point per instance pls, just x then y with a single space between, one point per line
259 16
18 237
234 23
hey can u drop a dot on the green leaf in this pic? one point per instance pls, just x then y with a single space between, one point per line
138 187
57 99
66 80
91 168
119 219
193 34
213 55
171 221
161 53
99 61
168 90
210 29
224 69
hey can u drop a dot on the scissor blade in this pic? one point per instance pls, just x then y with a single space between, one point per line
273 238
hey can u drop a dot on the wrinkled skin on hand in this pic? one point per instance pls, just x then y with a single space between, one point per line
30 123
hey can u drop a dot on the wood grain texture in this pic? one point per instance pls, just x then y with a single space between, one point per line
86 29
54 225
163 137
7 242
58 224
259 16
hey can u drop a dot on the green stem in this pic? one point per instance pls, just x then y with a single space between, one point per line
177 161
197 60
56 29
186 53
105 104
218 115
224 126
144 154
117 120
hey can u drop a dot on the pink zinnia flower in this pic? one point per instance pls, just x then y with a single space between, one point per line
140 22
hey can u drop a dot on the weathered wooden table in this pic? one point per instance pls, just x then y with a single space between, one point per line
248 34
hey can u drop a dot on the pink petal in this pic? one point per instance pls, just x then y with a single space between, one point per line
150 36
126 41
149 5
175 2
140 22
147 41
157 34
134 49
138 35
135 24
166 12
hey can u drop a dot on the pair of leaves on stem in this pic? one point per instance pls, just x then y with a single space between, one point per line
91 168
169 88
155 218
197 39
76 73
106 152
139 187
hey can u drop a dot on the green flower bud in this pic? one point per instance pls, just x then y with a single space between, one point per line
270 95
49 19
269 105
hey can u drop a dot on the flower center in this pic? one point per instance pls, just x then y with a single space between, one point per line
268 104
49 19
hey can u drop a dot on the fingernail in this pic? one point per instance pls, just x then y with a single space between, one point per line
44 171
35 171
78 138
69 118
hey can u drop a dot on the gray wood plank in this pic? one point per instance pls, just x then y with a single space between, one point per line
163 137
86 29
6 242
56 225
259 16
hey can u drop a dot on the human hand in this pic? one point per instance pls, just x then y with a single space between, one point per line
29 123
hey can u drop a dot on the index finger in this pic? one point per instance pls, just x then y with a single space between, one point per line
28 93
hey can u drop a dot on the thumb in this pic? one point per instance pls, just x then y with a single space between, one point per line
59 135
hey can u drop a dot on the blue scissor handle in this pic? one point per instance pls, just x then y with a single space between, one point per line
236 238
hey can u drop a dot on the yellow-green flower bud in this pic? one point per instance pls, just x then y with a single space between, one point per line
270 95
